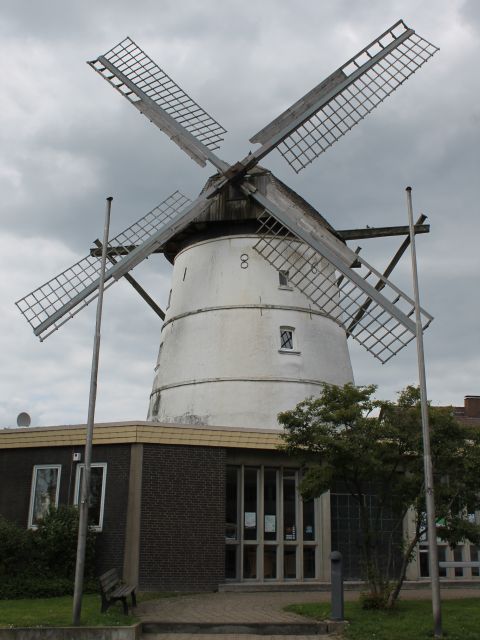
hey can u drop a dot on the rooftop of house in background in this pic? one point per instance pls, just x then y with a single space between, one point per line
469 414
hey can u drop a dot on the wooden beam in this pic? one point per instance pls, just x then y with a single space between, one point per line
345 234
381 232
380 284
140 290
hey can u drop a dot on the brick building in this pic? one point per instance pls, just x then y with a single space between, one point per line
190 508
177 507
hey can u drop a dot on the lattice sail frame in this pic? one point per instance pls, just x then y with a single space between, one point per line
342 100
42 303
152 81
395 64
336 295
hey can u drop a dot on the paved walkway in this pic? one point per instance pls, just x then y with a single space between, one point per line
256 607
227 607
231 607
230 636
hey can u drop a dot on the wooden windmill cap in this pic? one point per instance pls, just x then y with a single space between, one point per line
231 212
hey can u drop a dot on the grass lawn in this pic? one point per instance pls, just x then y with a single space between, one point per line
411 620
57 612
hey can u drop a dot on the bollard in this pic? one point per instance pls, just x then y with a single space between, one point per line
337 585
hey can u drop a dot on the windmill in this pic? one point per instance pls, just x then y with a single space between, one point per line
265 291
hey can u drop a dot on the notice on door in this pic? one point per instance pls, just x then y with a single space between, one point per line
250 519
270 523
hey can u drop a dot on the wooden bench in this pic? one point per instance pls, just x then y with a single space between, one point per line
112 589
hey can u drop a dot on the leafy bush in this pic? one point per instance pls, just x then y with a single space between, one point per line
15 548
28 586
374 601
41 563
56 543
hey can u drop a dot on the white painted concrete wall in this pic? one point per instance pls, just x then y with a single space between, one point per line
220 361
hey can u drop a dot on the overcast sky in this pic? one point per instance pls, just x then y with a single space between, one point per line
68 140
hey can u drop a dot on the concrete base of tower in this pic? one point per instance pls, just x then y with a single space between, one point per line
252 403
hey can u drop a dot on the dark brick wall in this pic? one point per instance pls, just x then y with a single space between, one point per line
16 470
183 518
111 542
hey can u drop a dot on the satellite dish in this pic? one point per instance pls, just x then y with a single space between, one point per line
23 419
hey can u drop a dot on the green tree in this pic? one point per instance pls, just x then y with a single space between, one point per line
374 448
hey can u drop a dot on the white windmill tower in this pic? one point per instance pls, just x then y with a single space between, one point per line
240 342
265 291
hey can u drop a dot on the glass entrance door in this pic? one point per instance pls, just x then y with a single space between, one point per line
270 533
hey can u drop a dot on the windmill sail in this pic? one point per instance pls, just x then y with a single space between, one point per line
62 297
327 112
137 77
320 263
320 266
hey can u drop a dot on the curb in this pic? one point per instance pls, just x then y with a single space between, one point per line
133 632
254 628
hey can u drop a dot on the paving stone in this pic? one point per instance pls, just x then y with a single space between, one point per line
237 636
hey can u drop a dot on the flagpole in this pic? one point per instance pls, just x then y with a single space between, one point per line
427 456
85 487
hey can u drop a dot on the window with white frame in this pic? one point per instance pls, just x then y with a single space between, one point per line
98 477
45 490
287 339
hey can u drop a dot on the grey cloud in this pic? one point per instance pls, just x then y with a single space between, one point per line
69 141
470 10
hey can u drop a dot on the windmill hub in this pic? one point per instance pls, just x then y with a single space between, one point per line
232 212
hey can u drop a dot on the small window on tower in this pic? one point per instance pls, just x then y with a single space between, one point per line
283 282
286 338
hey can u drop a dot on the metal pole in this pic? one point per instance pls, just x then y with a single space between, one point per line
85 488
337 596
427 457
